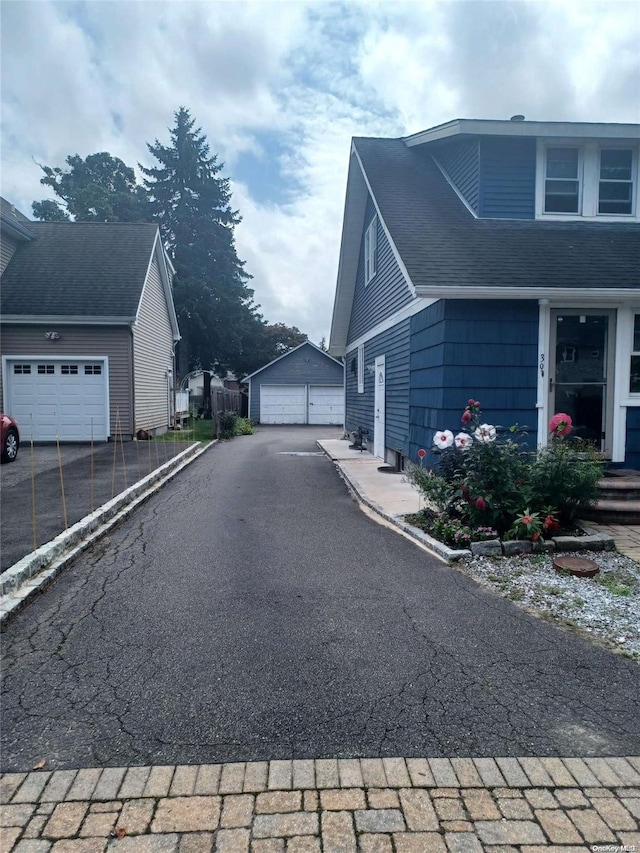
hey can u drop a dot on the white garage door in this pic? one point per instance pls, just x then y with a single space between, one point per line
326 404
283 404
65 398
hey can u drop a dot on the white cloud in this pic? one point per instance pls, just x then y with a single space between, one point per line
85 77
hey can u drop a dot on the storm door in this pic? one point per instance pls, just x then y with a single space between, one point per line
581 372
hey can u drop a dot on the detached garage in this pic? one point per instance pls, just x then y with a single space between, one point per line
303 386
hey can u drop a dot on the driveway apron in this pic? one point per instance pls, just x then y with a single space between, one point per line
250 611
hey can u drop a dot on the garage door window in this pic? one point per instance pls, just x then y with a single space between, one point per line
22 369
92 369
69 369
46 369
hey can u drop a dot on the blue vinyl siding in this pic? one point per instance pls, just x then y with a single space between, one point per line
394 345
461 162
464 348
632 456
507 178
304 366
387 291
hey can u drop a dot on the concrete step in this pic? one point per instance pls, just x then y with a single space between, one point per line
620 511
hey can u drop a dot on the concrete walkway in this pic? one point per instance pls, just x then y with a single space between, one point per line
462 805
392 496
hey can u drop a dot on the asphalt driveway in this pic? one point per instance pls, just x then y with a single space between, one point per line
90 477
250 610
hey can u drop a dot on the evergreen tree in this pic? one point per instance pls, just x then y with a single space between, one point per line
100 188
191 203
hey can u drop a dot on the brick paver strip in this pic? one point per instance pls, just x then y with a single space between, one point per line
159 782
133 784
109 783
603 771
628 774
32 787
390 805
337 833
463 842
350 773
420 772
489 772
466 772
183 783
255 777
513 772
443 772
580 772
9 785
232 778
280 776
58 785
373 772
327 773
396 772
304 775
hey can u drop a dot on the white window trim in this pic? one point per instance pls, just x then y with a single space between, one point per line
579 178
589 178
371 250
361 369
634 180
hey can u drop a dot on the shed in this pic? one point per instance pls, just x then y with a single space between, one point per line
303 386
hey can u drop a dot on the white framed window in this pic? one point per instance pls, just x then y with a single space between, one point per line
587 179
634 378
562 179
371 250
361 369
615 184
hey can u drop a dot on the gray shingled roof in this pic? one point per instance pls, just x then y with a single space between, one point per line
441 243
79 269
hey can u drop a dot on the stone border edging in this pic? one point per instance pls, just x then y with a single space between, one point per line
20 582
592 540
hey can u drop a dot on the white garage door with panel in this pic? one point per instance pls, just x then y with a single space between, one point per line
65 397
326 404
283 404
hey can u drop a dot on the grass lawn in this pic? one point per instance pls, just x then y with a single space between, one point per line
194 430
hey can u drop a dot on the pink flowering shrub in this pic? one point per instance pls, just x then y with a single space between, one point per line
484 478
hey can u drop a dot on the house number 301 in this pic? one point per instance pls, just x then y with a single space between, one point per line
541 364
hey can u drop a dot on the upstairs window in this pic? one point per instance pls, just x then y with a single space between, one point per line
615 188
562 182
371 250
634 384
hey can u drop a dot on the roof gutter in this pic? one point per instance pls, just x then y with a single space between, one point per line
15 229
64 320
595 294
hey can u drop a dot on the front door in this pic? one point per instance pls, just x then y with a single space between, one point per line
379 400
581 375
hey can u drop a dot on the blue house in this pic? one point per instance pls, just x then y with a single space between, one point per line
498 260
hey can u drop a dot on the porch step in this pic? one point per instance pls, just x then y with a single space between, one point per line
618 499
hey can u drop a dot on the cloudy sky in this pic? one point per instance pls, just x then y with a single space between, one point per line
279 88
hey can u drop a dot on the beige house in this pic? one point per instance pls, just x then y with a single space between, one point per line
88 328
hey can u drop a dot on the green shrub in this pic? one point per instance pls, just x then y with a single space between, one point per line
228 423
565 479
244 426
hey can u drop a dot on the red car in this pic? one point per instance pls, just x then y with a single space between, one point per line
10 438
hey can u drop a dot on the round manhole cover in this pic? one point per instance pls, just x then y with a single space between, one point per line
578 566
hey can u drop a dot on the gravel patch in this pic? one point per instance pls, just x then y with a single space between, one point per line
606 607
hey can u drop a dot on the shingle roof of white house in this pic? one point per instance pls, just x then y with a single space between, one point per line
82 271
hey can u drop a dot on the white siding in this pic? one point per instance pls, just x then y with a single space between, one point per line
152 355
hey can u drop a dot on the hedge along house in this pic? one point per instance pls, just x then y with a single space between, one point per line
88 330
303 386
498 260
